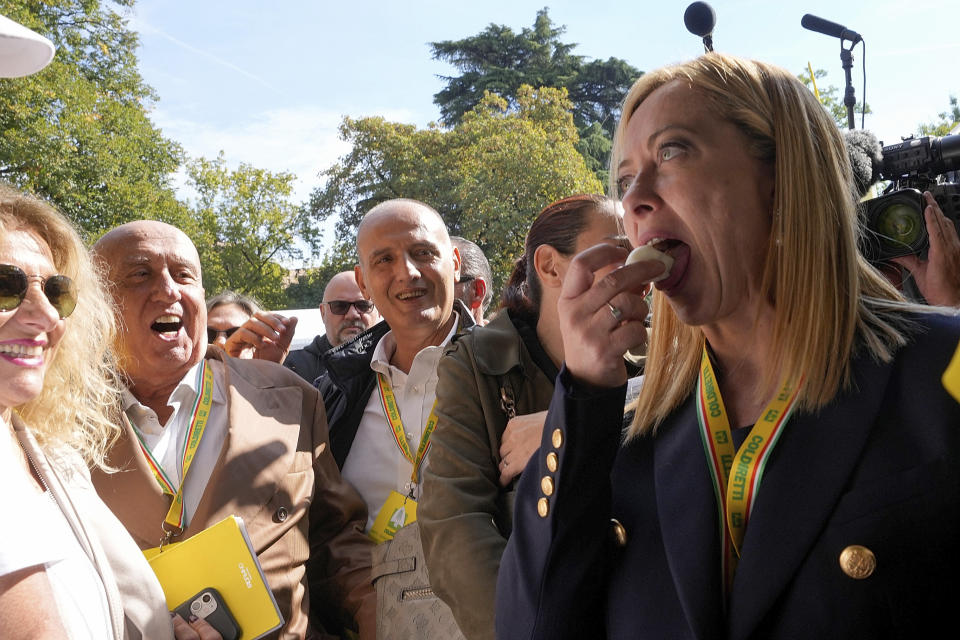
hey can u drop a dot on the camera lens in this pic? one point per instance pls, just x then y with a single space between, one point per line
899 225
206 597
195 606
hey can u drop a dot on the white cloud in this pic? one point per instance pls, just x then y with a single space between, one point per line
299 140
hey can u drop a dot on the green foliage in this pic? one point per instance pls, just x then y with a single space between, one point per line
78 133
948 120
245 226
499 60
594 145
307 291
830 97
488 176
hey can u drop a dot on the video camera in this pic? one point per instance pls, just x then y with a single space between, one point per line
894 223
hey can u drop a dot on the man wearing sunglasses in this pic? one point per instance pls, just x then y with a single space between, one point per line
346 314
258 447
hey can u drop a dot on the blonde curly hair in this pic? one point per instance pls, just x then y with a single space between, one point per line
78 406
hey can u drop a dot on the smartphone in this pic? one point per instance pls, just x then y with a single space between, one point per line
209 605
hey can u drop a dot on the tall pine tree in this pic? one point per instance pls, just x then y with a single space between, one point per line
500 60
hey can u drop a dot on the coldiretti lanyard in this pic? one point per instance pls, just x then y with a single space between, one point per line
392 414
198 422
736 476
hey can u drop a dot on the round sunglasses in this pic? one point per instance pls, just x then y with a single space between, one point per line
60 290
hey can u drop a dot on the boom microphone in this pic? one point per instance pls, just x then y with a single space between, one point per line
813 23
700 19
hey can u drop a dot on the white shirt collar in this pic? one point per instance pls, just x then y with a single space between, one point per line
186 390
387 346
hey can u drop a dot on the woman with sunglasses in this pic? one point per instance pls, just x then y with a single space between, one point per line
495 386
226 313
238 325
67 566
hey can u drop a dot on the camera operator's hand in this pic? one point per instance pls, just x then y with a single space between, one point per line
937 277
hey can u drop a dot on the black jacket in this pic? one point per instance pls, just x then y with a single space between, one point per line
348 382
308 362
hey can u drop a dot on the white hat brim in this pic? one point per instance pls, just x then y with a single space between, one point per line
22 51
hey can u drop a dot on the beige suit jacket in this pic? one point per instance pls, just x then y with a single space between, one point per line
276 472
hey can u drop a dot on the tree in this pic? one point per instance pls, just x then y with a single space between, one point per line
948 120
77 133
307 291
500 61
830 97
488 176
246 225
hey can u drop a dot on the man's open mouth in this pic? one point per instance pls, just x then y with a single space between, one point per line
167 325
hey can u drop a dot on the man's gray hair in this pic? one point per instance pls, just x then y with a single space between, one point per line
474 264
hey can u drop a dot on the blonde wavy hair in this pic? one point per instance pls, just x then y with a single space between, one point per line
829 302
78 406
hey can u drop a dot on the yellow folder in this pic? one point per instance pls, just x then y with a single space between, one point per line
221 557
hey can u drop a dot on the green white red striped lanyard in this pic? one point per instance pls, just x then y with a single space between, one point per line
392 413
191 442
736 492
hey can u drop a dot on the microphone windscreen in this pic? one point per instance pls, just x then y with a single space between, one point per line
866 158
700 19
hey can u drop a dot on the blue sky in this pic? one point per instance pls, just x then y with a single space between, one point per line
269 82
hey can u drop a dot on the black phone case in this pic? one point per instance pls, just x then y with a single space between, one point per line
221 619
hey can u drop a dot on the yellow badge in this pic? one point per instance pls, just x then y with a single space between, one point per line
398 510
951 377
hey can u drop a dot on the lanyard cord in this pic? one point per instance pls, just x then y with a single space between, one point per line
200 414
736 476
392 413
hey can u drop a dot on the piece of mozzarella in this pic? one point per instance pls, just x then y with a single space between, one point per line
646 252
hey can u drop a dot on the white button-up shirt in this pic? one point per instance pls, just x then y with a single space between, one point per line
167 442
375 464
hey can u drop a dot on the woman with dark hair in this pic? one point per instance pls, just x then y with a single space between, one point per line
495 385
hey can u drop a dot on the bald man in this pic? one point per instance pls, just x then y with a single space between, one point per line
263 452
408 267
346 313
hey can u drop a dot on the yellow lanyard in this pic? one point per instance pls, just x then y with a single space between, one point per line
392 413
198 423
736 476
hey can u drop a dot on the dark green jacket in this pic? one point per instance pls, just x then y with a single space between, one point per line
465 515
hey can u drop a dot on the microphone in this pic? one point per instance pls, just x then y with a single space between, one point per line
813 23
700 19
866 159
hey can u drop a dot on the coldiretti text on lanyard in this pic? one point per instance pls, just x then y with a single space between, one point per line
400 510
736 475
392 413
173 524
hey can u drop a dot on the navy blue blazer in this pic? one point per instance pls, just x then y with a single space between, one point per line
878 467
